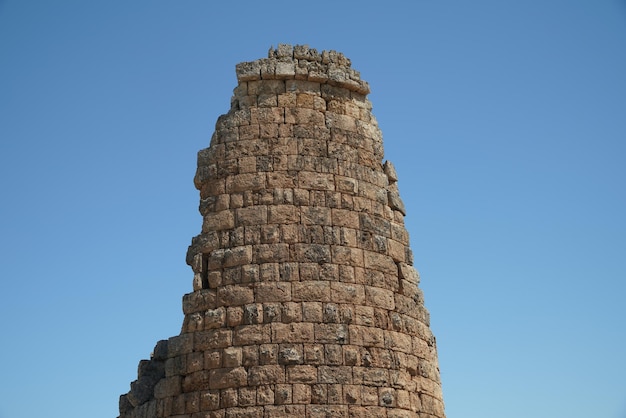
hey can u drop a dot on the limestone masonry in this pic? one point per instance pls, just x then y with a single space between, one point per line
305 302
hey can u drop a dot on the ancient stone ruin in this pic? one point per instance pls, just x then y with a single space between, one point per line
305 302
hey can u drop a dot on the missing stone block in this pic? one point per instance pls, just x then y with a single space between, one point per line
204 273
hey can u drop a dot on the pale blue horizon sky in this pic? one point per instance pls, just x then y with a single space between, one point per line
506 122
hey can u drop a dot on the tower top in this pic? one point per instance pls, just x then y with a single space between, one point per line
300 62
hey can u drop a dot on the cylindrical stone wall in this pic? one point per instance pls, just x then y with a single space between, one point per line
305 302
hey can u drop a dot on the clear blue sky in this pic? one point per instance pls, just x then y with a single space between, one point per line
505 119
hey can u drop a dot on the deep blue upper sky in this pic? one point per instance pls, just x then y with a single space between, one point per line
506 121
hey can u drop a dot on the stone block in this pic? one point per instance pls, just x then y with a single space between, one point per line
410 290
268 354
333 354
252 334
381 262
270 234
168 387
265 395
395 202
195 381
269 272
292 332
180 345
237 256
211 339
311 291
289 272
195 362
281 180
345 218
218 221
234 295
398 341
366 336
229 397
266 87
347 255
312 253
271 253
347 293
309 271
239 412
301 374
381 298
228 378
333 333
248 71
323 411
272 312
252 215
304 116
312 311
408 272
316 181
375 225
291 312
287 99
399 233
313 354
273 292
405 305
303 86
244 182
289 354
371 376
199 301
396 250
265 115
265 375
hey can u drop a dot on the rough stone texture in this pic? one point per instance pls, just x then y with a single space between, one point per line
305 302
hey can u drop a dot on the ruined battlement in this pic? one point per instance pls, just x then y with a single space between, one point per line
303 63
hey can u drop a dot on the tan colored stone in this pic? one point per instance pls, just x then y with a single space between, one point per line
311 291
268 374
347 292
234 295
218 221
227 378
366 336
252 334
273 292
347 255
301 374
332 333
214 338
253 215
316 181
312 311
346 218
243 182
397 250
292 333
380 262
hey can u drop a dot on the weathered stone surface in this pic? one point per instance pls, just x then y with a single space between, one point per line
305 302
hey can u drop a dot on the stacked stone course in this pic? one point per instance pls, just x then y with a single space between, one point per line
305 302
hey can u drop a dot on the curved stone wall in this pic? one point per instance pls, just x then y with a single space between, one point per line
305 302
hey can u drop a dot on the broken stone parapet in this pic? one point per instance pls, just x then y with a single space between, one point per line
303 63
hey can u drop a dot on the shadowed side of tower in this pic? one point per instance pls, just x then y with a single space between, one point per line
305 302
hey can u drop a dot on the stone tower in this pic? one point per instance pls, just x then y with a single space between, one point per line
305 302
